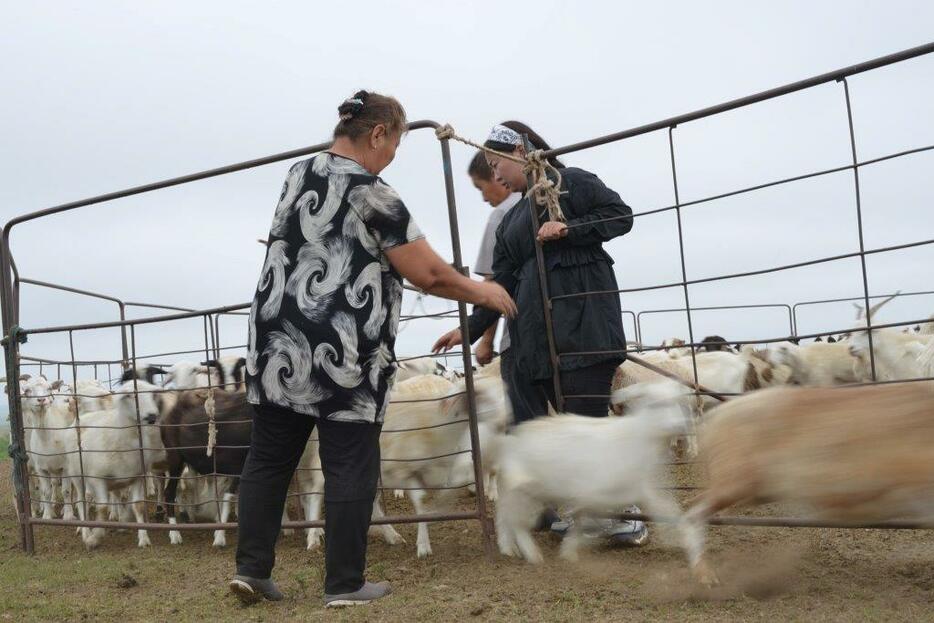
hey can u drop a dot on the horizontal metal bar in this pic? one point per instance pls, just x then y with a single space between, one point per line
751 273
55 286
762 96
748 189
137 321
402 519
193 177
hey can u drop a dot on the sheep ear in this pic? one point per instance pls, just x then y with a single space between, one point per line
57 384
210 363
24 377
831 340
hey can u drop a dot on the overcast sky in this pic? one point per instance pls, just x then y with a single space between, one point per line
99 96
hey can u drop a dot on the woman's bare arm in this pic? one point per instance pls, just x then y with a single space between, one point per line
427 271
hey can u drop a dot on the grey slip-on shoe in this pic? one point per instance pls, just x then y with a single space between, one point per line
370 591
252 590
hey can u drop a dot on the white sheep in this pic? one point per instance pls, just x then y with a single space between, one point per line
47 418
110 459
591 466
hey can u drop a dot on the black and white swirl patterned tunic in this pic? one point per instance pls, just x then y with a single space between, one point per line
323 323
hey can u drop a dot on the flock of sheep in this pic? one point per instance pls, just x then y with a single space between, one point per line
101 451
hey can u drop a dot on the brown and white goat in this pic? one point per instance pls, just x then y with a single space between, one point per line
846 454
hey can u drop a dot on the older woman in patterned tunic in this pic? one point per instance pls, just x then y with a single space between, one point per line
321 335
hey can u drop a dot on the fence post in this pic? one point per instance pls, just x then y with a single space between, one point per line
543 288
486 523
859 226
684 272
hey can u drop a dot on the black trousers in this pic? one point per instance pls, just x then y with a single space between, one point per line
594 380
525 396
350 461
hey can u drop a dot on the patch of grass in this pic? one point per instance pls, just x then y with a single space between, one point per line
881 577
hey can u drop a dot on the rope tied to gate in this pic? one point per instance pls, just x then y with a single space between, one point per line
212 426
545 190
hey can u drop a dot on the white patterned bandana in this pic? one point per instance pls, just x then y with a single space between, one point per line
502 134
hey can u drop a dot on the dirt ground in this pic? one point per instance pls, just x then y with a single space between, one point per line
768 574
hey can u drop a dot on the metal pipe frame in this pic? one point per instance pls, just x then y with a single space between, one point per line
9 306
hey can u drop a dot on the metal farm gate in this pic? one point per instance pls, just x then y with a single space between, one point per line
15 334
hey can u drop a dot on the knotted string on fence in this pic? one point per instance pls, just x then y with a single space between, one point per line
212 427
546 178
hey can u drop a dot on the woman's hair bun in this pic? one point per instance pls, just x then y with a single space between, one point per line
352 106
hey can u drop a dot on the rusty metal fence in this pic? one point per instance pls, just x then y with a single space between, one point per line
14 334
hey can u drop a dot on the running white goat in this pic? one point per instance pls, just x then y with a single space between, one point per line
592 466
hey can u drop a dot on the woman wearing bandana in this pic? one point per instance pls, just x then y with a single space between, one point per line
575 262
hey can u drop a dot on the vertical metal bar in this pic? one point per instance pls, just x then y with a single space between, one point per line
791 322
684 272
74 395
859 226
794 319
543 288
95 371
139 424
123 335
217 336
486 523
40 369
9 311
58 370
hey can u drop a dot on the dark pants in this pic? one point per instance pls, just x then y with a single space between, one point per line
524 395
593 380
350 461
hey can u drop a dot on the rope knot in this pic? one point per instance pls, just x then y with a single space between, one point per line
212 427
445 132
17 453
544 190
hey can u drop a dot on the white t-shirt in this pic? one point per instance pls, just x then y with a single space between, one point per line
484 264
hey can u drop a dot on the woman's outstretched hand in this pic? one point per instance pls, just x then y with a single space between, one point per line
494 297
448 341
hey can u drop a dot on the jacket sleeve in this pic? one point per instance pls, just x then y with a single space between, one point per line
603 214
481 318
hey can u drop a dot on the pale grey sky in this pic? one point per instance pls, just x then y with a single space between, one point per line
105 95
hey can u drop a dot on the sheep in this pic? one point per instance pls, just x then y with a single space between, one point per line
427 417
847 454
185 436
228 372
92 396
147 373
441 429
110 460
592 466
819 364
189 375
675 348
47 417
713 343
897 355
416 367
310 481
